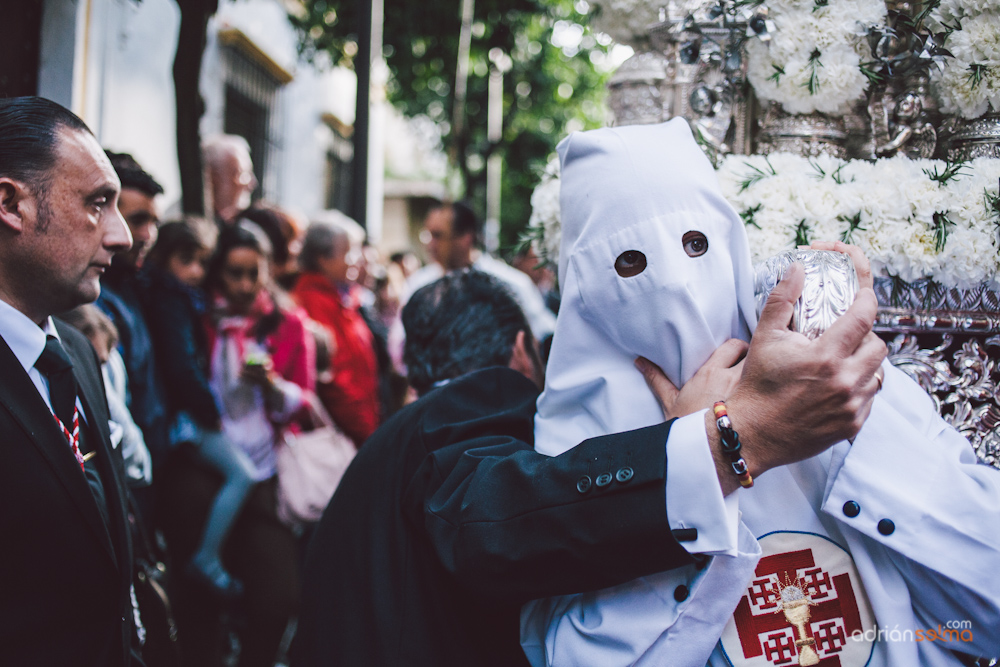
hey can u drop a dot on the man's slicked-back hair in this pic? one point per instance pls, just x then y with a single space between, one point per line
132 175
28 128
465 220
463 322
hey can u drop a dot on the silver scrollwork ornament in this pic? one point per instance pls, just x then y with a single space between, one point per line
831 283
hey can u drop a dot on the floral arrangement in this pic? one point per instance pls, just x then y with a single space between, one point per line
969 82
812 61
913 218
544 231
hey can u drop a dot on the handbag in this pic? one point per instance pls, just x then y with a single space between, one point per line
310 465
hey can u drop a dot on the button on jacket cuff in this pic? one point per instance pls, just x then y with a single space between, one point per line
694 498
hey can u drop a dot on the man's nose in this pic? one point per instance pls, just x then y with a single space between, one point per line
117 235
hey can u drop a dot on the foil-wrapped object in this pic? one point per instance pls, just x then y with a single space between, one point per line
830 287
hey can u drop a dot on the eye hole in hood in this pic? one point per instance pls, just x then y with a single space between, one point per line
695 244
630 263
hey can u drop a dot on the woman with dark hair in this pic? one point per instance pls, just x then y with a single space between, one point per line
284 232
261 363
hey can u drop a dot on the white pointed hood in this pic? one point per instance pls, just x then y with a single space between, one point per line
639 188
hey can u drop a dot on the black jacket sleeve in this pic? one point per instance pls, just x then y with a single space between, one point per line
512 524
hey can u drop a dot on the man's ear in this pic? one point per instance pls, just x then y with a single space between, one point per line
15 202
524 360
466 240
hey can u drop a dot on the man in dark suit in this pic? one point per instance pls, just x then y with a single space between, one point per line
67 559
448 520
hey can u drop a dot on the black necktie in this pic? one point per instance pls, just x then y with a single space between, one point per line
56 366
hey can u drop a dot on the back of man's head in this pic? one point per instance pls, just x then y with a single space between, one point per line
28 129
132 175
463 322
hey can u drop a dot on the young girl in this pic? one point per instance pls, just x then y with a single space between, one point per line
176 309
98 328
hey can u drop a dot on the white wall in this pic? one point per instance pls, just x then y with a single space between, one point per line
111 62
300 159
134 109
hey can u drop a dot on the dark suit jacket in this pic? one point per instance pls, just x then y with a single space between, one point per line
64 596
448 520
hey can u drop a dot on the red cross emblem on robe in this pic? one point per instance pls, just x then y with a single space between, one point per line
805 606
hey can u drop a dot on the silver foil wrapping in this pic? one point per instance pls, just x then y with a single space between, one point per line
830 287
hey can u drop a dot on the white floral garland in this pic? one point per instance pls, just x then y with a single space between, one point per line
812 61
909 224
970 82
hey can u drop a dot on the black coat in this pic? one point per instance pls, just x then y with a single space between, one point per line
448 521
65 593
176 320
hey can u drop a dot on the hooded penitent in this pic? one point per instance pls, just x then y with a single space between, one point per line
901 526
653 262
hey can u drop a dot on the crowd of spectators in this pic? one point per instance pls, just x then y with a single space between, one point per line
214 335
148 437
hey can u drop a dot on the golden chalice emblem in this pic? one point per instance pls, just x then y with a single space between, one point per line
795 605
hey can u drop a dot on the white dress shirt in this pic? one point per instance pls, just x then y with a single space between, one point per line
27 341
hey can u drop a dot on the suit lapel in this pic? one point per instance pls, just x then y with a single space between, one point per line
95 405
20 397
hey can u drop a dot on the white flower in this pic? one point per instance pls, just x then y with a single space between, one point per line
812 61
892 209
544 225
970 81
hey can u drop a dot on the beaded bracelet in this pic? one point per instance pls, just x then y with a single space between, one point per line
731 444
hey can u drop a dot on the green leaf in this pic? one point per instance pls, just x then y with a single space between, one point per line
837 177
875 78
952 170
820 174
750 214
942 224
812 85
976 73
802 233
853 225
992 204
757 174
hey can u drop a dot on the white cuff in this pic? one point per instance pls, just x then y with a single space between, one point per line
694 498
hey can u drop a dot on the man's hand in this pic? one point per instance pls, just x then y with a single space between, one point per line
714 381
798 397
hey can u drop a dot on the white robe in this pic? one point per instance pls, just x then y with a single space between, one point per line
869 593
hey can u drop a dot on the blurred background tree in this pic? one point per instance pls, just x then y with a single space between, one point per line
555 84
